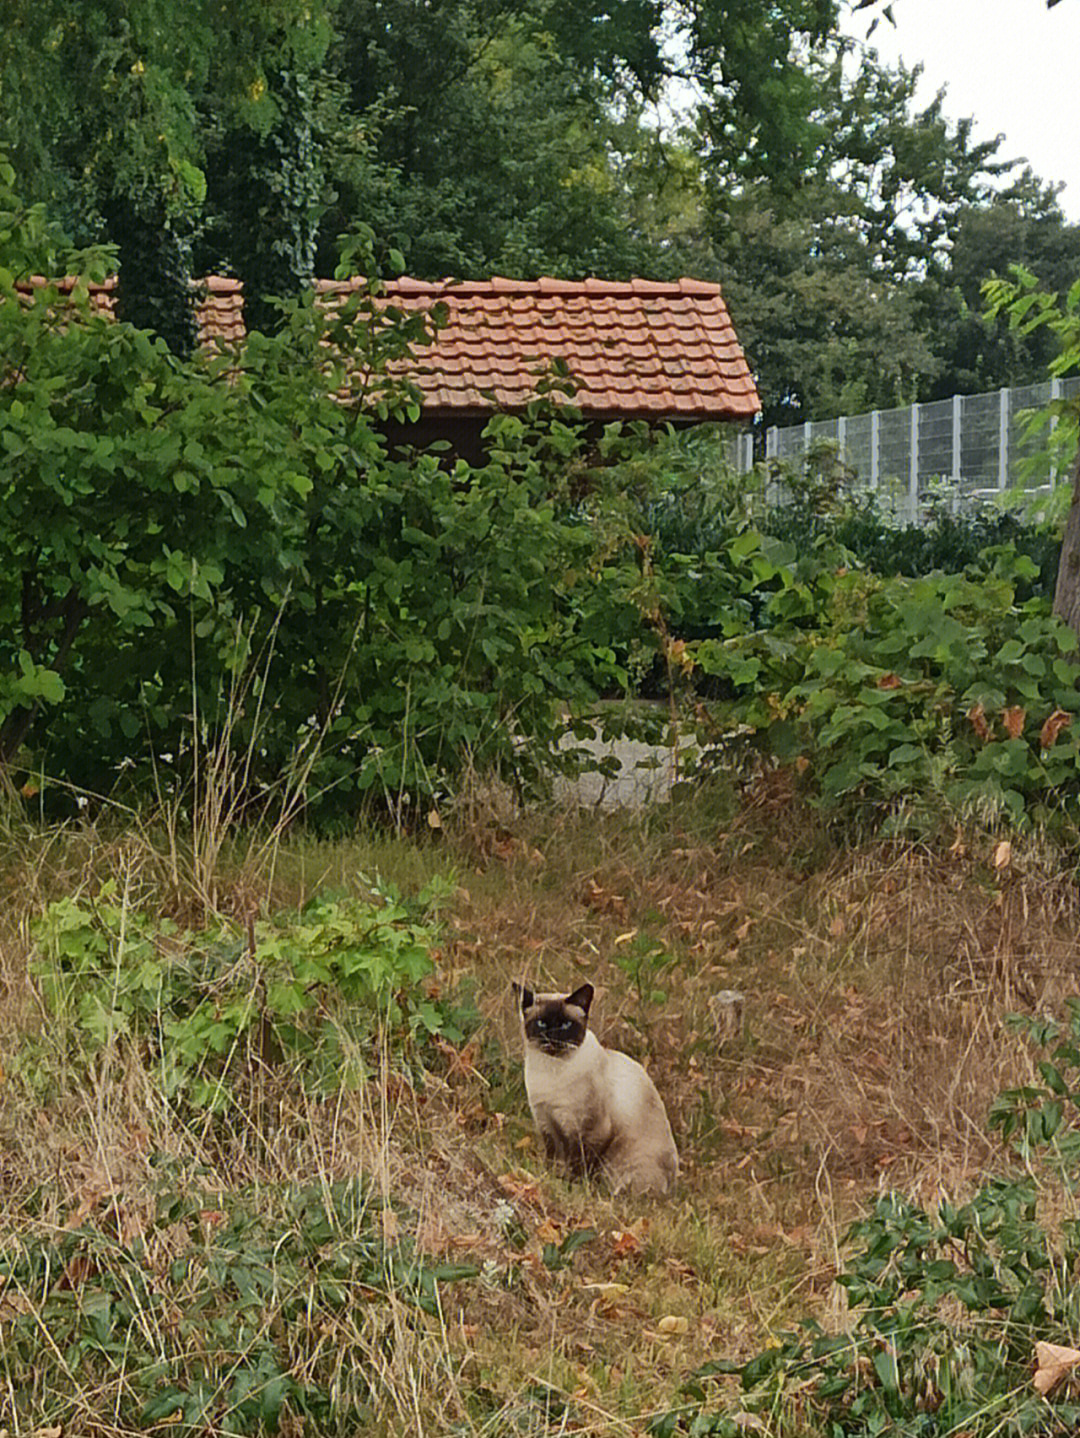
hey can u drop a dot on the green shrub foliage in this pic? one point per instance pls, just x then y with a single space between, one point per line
222 557
315 992
947 542
880 689
223 551
218 1312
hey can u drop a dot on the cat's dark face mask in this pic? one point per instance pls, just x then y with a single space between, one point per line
556 1025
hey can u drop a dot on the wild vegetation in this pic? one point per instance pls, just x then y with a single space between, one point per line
267 1165
265 1161
282 715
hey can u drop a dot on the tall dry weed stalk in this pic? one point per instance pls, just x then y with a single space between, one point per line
224 802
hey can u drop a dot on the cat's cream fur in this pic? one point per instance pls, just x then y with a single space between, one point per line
595 1109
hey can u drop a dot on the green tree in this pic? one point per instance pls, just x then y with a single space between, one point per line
1023 225
112 111
1029 309
99 108
824 278
514 134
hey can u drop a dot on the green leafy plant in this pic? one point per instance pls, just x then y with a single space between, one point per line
644 961
947 541
557 1256
316 989
887 688
292 587
1043 1118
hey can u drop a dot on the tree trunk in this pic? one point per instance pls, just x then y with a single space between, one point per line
1067 591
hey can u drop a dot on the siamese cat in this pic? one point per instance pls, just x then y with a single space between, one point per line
595 1109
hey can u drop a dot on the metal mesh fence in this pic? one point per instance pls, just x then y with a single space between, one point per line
980 443
966 448
858 443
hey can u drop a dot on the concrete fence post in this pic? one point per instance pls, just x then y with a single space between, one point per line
1003 438
875 448
772 445
913 467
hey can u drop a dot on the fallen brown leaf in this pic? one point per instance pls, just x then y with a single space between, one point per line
977 717
1014 719
1060 719
1053 1363
521 1186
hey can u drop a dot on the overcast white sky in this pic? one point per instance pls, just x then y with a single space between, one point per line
1012 64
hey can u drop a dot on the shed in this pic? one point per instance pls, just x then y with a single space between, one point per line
637 349
665 352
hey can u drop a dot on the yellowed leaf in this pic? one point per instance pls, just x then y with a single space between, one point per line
625 938
434 821
546 1232
607 1290
1003 855
673 1323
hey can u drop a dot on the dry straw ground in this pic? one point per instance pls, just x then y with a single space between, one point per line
876 979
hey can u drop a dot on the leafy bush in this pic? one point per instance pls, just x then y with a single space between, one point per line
947 1305
878 688
315 990
947 542
218 1314
222 552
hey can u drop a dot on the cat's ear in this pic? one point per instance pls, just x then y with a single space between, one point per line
581 998
525 995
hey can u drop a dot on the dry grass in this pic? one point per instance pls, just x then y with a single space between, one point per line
876 980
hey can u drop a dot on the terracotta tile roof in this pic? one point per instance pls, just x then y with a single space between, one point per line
636 348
